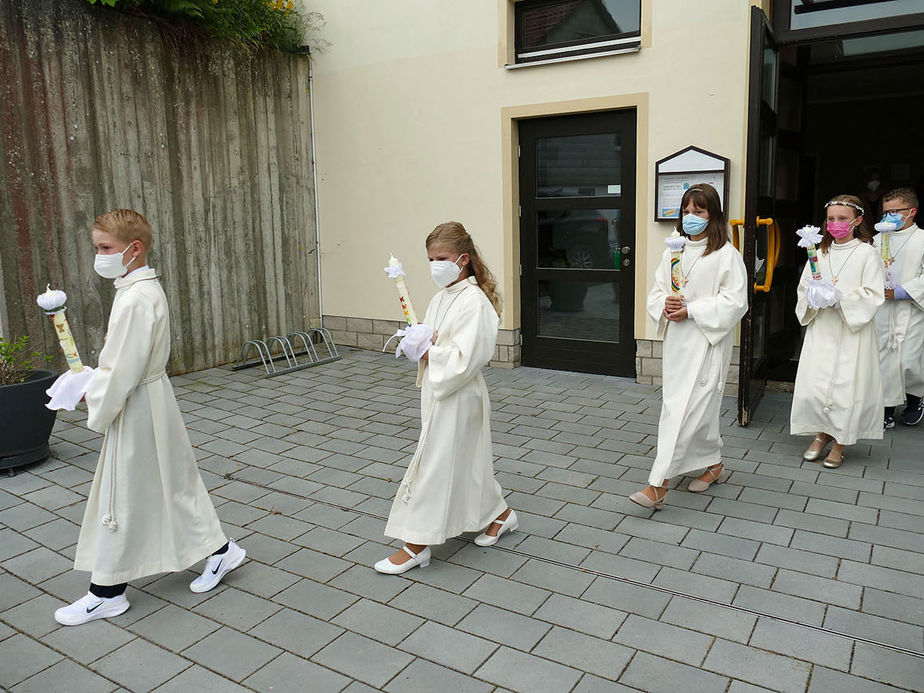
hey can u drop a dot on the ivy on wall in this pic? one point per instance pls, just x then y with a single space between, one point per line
274 23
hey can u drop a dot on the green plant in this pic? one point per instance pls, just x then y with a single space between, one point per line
16 361
274 23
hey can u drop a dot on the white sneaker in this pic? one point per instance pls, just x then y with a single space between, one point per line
89 608
216 567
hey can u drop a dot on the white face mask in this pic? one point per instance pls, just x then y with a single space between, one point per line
444 272
110 266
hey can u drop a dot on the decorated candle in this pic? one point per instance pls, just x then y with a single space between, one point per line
53 304
395 271
808 237
675 242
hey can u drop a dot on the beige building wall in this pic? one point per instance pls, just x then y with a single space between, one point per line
415 125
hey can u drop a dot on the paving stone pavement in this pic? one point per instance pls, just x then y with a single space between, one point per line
790 577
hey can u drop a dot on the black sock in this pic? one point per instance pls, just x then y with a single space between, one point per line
222 550
913 401
889 412
107 591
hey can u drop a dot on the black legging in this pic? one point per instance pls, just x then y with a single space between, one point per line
110 591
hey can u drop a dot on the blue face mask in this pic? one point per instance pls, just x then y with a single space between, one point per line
891 221
694 225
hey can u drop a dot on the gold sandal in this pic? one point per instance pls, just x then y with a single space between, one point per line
813 455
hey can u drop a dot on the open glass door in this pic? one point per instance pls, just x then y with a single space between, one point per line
759 202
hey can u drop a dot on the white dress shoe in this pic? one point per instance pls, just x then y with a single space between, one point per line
508 525
89 608
421 559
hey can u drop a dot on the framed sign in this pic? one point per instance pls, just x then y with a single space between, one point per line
683 169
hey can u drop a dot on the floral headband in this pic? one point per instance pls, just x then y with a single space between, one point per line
845 204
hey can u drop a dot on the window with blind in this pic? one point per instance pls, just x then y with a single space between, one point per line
552 30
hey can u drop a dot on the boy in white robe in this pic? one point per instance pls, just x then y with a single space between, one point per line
900 320
148 511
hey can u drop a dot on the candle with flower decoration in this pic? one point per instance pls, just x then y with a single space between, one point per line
819 292
885 229
676 242
52 301
396 272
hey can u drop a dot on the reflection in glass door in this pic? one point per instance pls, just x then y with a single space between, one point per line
577 240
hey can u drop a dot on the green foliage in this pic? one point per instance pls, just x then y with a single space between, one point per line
15 360
273 23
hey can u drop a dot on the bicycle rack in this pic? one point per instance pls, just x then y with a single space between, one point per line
278 348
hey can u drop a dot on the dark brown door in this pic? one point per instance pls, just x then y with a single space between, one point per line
577 241
759 202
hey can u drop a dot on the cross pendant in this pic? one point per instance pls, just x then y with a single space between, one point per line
834 280
683 281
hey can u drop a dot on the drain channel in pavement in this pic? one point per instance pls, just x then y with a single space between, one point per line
618 578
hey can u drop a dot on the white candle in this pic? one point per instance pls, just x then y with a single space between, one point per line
53 303
395 271
675 242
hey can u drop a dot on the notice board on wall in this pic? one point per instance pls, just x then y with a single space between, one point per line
681 170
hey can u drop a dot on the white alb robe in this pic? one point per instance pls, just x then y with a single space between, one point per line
900 323
838 387
696 355
147 489
449 487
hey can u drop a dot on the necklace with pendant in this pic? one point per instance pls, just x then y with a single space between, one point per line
684 276
834 275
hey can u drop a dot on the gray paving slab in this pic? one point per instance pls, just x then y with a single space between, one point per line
521 672
140 666
363 659
648 672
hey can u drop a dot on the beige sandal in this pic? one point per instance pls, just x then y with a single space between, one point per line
643 500
719 476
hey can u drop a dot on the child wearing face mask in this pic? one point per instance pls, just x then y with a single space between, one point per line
449 486
838 391
697 322
148 511
900 320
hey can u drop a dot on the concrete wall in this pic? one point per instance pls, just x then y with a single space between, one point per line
416 119
101 110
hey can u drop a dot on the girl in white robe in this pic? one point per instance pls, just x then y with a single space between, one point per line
449 487
838 390
698 328
900 320
148 510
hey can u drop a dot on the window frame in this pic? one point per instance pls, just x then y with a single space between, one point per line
610 44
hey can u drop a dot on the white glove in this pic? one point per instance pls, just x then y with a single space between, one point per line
67 391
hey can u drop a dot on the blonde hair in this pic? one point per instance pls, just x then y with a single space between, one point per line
860 231
127 225
453 235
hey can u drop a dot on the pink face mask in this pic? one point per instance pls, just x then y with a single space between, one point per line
839 229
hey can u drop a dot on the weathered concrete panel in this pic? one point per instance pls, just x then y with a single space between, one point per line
100 110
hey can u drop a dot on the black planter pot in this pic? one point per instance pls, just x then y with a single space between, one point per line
25 421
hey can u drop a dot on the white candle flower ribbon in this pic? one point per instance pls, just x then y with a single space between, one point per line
819 291
885 229
417 337
395 271
676 242
71 386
